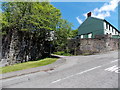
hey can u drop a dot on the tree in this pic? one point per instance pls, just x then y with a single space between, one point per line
73 33
63 32
27 26
29 16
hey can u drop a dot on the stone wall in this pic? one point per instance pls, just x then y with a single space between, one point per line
92 45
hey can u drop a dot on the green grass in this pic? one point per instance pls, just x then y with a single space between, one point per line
62 53
86 54
26 65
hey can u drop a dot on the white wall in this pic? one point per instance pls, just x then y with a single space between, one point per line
109 31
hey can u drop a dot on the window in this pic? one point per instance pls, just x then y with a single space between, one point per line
81 36
109 27
106 26
112 29
90 35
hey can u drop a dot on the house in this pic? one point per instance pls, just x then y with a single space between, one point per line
93 27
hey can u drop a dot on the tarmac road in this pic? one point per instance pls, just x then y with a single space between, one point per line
94 71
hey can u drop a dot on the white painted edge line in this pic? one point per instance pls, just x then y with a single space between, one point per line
114 61
76 74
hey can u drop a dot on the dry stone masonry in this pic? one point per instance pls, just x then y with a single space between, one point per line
92 45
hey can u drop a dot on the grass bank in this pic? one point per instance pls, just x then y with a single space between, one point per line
62 53
26 65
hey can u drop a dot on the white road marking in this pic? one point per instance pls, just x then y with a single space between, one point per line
114 68
88 70
56 81
114 61
76 74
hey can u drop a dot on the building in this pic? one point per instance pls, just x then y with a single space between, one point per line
93 27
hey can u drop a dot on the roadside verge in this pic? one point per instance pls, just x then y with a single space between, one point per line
45 68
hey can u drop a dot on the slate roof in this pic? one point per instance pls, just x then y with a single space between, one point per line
107 22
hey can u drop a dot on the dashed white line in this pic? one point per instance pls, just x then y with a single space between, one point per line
81 72
88 70
76 74
56 81
114 61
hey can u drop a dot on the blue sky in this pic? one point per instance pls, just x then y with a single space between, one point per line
71 10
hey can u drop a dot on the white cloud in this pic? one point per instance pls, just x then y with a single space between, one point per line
102 15
79 20
110 6
105 10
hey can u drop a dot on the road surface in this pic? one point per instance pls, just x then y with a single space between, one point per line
94 71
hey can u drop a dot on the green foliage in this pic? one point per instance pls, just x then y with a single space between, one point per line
74 33
27 65
63 32
36 19
62 53
29 16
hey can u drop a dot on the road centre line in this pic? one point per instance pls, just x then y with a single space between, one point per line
83 71
76 74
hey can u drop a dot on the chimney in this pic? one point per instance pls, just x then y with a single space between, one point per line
89 14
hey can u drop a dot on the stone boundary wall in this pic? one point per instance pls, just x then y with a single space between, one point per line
92 45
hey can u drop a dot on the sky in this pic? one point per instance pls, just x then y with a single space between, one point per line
75 12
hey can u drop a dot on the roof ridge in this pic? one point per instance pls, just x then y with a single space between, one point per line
97 18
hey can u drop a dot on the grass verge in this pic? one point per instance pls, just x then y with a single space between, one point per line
62 53
26 65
